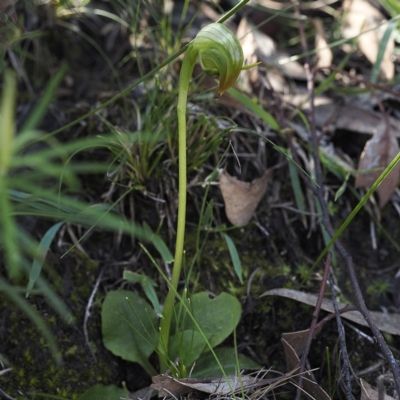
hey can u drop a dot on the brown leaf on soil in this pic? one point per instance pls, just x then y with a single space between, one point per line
242 198
370 393
169 386
310 386
385 322
351 114
361 16
378 152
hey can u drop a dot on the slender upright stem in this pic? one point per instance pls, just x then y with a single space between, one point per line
220 55
184 80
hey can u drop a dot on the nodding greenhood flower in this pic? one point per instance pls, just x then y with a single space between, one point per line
220 54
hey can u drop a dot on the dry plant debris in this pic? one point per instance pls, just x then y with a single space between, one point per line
168 386
310 386
389 323
378 152
361 16
370 393
242 198
325 55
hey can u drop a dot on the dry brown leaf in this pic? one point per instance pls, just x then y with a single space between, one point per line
169 386
325 55
351 114
266 51
370 393
310 386
298 340
361 16
378 152
142 394
242 198
385 322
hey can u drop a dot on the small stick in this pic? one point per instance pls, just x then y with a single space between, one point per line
342 341
87 314
5 395
313 325
368 85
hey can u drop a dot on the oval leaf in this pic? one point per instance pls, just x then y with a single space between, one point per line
216 317
129 326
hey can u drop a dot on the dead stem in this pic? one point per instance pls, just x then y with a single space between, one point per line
342 341
313 325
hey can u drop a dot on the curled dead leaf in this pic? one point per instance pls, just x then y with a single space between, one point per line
242 198
378 152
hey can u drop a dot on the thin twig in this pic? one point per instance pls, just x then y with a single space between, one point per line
360 302
5 395
313 325
369 85
87 313
342 341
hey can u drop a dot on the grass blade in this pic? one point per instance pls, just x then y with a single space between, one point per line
381 51
357 208
40 109
38 261
255 108
298 193
234 256
148 287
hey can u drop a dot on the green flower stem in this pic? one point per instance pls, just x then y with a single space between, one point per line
188 64
220 55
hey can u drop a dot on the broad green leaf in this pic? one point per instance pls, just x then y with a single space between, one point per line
234 256
206 365
187 346
37 264
102 392
129 326
216 317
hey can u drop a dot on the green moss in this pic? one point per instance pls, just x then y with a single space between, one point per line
34 369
